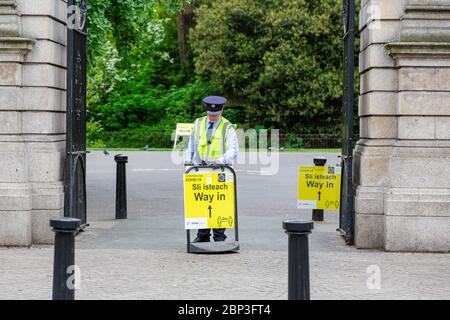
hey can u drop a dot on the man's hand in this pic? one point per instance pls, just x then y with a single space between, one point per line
217 164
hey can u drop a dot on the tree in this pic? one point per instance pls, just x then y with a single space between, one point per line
137 83
282 59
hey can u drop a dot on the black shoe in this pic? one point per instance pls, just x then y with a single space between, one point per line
219 239
201 239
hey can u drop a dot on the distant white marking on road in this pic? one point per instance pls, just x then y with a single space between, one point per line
254 172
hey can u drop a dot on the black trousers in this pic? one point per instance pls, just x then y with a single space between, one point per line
219 234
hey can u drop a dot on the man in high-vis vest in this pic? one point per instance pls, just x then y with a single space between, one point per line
213 141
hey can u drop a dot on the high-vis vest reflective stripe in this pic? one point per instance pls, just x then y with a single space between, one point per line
210 151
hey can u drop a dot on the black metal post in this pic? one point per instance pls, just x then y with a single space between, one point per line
121 186
75 171
64 257
346 224
298 231
317 214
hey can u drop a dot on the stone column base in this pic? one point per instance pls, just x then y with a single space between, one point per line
41 232
15 219
369 218
15 228
417 220
371 166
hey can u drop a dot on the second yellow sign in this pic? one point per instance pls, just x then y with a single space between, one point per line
319 187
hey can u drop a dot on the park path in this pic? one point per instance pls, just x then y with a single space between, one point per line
144 256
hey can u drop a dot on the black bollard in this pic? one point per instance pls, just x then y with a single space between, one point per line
317 214
298 231
64 257
121 186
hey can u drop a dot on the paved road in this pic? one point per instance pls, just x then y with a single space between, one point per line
144 257
155 201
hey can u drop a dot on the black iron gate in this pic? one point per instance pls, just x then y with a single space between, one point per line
75 166
346 218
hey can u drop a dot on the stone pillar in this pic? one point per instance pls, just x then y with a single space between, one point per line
379 24
402 162
32 117
417 205
15 191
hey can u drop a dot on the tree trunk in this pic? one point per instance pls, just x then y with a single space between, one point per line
182 43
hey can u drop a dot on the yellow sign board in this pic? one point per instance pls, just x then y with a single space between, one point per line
209 200
319 187
184 129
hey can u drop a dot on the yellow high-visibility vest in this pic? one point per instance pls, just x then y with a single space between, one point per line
210 151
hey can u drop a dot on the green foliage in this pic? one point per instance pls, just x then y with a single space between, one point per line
137 89
280 59
157 107
94 134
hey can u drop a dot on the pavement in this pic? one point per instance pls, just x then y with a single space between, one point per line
144 257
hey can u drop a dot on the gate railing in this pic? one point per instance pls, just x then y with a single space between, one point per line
75 166
346 221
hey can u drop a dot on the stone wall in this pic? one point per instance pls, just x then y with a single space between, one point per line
402 161
32 118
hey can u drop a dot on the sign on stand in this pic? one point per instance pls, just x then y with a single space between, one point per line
209 200
183 130
319 187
